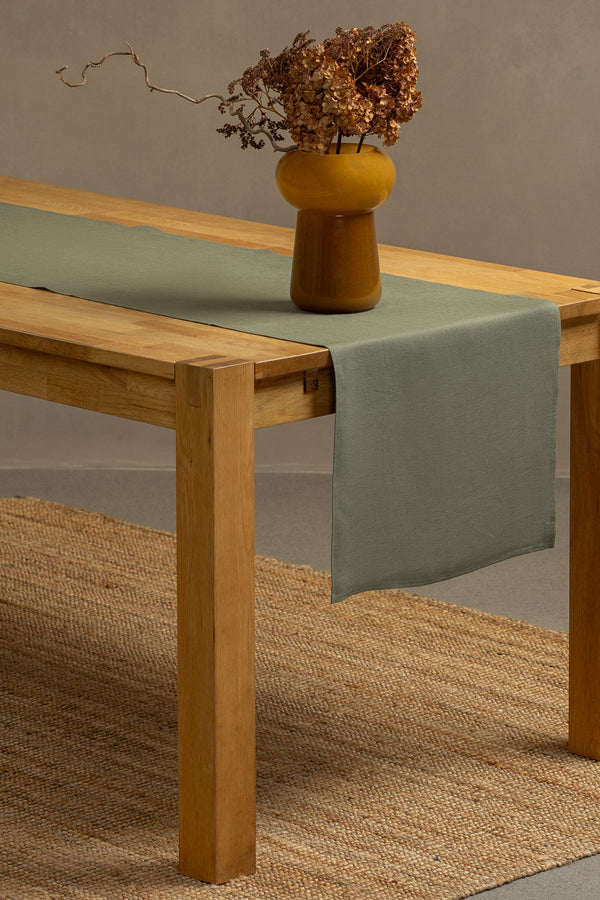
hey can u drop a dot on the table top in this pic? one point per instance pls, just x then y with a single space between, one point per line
95 332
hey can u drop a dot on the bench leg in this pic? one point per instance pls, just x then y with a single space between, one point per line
215 598
584 601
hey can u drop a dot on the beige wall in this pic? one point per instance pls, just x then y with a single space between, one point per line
500 164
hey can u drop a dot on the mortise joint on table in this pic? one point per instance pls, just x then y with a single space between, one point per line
215 387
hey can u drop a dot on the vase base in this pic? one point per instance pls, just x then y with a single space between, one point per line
336 263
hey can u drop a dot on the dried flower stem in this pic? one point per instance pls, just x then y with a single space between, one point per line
225 101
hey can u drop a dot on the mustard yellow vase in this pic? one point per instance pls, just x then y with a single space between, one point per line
336 264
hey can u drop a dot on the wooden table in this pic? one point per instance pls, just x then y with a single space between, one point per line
214 387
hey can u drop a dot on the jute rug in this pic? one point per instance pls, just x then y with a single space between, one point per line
406 748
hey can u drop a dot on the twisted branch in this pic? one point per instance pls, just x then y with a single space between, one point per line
238 112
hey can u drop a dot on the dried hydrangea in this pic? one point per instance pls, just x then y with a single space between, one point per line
321 99
383 65
360 82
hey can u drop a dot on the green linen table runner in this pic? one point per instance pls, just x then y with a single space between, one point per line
445 426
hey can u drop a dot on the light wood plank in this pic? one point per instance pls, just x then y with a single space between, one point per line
215 591
136 212
118 391
584 625
121 338
286 399
73 382
580 339
84 329
564 290
106 330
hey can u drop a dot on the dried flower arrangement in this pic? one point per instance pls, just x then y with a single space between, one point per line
358 83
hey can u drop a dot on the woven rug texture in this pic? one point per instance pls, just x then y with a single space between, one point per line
407 748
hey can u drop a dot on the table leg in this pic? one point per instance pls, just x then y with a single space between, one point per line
584 626
215 597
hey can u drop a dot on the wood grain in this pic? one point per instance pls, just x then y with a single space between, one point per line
215 601
161 340
118 390
584 604
99 332
564 290
114 390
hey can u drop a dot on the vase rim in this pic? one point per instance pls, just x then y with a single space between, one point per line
347 149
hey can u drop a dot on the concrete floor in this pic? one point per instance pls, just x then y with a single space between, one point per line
293 523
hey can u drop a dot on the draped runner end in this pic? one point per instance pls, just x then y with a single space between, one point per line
445 397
